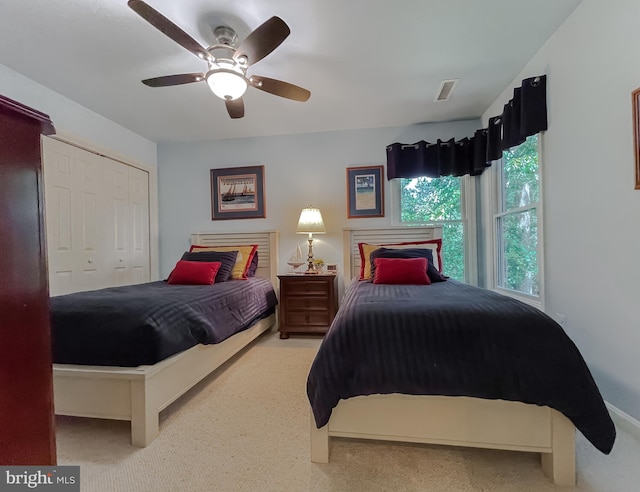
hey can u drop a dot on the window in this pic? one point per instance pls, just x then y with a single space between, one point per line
518 220
438 201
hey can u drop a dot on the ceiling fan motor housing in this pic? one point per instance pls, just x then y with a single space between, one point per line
226 35
226 77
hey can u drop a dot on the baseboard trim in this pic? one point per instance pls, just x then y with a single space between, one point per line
624 420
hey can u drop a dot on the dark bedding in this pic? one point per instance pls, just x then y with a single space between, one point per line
146 323
453 339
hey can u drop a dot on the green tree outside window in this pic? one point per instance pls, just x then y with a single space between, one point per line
517 222
437 200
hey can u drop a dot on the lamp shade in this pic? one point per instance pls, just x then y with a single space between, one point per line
226 83
310 222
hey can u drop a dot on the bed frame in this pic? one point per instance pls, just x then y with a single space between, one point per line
456 421
138 394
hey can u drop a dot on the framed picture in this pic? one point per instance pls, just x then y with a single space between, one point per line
635 101
365 192
237 193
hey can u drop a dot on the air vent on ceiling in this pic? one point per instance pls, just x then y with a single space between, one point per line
445 90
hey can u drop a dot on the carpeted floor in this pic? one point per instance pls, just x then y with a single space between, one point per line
246 428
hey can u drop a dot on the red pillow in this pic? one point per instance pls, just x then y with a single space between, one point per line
401 271
194 272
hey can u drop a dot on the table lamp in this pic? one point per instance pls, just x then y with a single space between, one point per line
310 223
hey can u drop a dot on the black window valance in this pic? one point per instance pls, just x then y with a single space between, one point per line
524 115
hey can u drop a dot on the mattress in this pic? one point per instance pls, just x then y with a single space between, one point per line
453 339
146 323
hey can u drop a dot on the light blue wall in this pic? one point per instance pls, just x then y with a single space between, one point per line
74 119
300 170
591 210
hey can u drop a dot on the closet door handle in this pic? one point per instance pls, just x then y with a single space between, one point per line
120 260
89 261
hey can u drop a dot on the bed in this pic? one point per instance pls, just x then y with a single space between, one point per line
505 395
138 394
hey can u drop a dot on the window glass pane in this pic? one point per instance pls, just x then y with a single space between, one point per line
429 199
453 250
434 200
519 265
520 185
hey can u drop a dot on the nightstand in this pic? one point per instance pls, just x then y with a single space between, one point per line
308 303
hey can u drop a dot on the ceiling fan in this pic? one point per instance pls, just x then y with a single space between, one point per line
227 62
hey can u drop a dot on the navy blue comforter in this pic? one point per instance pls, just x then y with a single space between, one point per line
453 339
146 323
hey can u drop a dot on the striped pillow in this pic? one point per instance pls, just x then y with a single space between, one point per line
243 260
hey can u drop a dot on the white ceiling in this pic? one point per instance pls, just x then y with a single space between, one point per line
367 63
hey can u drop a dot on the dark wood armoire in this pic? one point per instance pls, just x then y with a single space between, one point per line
27 426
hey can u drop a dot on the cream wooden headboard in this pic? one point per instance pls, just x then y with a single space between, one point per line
351 238
268 247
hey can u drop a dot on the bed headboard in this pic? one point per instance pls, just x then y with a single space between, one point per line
351 238
268 243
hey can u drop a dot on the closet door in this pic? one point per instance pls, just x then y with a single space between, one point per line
58 172
118 223
97 220
73 189
139 226
87 217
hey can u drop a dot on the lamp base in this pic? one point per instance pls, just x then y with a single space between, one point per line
310 267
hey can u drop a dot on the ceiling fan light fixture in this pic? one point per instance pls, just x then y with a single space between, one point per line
227 60
226 84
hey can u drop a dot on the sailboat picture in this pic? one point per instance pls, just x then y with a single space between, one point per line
229 195
237 192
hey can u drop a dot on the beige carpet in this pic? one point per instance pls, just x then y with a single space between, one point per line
245 428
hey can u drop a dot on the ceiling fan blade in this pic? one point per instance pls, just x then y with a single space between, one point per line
263 40
164 25
280 88
235 107
167 80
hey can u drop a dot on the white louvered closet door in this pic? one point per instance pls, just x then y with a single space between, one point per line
97 228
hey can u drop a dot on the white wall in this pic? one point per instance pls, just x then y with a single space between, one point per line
591 210
71 118
299 169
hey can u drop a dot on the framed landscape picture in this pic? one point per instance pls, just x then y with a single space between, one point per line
237 193
365 192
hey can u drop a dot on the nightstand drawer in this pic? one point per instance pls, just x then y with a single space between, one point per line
300 303
310 287
307 318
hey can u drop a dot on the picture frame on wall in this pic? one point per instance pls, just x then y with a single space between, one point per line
237 193
365 192
635 101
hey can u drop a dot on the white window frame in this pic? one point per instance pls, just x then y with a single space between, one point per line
468 206
494 191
